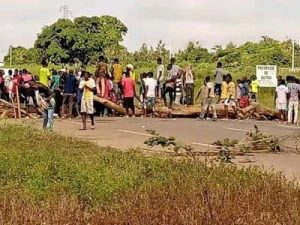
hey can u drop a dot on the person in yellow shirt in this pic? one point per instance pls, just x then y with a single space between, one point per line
230 96
131 72
44 75
88 87
117 73
254 89
224 90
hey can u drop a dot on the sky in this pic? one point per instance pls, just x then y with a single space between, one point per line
176 22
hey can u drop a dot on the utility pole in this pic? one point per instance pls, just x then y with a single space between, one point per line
10 55
67 14
293 56
170 50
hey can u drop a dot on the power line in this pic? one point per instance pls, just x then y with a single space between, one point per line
67 13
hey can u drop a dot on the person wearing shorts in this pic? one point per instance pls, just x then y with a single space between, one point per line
230 96
128 87
88 87
281 99
150 94
209 101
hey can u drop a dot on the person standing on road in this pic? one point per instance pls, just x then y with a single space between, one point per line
254 88
128 87
230 96
293 103
218 81
282 99
169 86
1 83
160 77
69 81
131 72
209 101
88 87
202 94
100 74
142 88
117 77
150 94
245 89
44 75
177 72
188 83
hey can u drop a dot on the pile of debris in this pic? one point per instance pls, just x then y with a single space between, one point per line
10 110
254 111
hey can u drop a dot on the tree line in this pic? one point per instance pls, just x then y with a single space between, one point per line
84 38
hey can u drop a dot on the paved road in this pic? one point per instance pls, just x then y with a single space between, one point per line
131 133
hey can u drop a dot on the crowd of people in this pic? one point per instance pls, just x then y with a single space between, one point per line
287 99
69 93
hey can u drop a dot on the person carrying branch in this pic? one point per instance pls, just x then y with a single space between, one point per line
48 103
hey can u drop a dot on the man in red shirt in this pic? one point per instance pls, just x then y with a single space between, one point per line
128 86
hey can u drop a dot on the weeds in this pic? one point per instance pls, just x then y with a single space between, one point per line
51 179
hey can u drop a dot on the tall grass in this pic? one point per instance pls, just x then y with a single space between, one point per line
50 179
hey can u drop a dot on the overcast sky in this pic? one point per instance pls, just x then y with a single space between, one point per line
210 22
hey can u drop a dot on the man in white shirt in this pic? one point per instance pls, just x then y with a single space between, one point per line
160 76
150 94
281 99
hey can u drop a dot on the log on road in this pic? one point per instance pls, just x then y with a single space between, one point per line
253 111
110 105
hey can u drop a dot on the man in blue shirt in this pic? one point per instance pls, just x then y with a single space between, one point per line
69 81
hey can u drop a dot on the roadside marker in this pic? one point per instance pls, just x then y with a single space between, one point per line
136 133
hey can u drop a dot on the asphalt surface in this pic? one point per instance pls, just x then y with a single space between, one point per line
128 133
131 132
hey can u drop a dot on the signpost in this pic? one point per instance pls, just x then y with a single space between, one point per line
266 75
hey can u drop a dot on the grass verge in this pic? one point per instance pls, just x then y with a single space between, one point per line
50 179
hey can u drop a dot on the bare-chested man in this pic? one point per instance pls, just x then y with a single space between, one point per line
100 74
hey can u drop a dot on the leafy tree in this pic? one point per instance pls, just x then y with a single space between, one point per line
21 55
83 39
194 53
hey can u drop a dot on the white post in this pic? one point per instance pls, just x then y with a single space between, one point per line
10 55
293 56
170 50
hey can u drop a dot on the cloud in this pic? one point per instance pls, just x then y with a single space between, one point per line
178 21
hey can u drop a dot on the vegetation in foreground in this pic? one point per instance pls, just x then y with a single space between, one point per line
51 179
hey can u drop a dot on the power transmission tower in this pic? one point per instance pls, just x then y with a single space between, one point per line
67 14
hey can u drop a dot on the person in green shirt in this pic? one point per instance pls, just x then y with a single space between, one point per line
45 74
